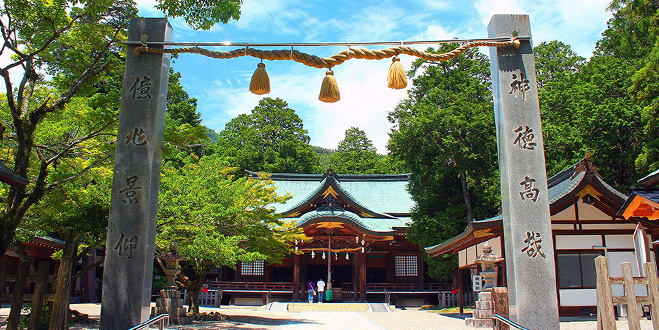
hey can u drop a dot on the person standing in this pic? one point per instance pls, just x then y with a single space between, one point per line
321 290
311 291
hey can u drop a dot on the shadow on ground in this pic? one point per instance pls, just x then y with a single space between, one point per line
455 315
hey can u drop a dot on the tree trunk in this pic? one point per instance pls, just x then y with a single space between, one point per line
467 199
58 316
193 296
195 288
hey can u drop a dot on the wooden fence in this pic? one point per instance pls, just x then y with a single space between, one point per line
449 299
38 285
605 299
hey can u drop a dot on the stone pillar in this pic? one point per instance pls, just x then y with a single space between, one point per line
531 275
132 227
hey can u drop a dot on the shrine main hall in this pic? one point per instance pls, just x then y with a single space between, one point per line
356 228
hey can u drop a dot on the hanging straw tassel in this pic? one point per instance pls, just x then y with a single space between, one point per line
396 78
329 90
260 83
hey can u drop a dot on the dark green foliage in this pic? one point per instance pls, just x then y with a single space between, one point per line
444 132
355 154
324 158
271 139
202 14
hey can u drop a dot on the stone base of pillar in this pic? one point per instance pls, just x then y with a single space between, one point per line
170 302
482 317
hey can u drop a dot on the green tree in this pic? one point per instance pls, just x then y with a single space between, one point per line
219 220
586 109
355 154
79 216
270 139
444 134
632 36
184 133
557 66
76 45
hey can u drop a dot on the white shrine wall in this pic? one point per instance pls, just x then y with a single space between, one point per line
618 247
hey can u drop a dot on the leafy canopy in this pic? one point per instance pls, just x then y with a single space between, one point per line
270 139
444 134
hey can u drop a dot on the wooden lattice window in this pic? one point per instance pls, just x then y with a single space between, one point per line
406 266
252 268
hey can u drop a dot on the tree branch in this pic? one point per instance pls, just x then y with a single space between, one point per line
89 267
57 183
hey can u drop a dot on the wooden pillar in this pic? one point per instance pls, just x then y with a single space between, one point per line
355 276
362 276
390 268
460 291
419 260
296 277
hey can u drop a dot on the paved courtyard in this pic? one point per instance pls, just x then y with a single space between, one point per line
278 318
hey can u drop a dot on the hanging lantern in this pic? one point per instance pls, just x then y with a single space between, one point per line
347 256
313 254
336 256
323 254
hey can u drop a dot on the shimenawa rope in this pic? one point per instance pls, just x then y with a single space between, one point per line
329 62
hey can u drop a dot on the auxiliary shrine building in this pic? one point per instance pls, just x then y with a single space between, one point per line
356 225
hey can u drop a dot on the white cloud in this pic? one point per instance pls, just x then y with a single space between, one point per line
576 23
365 101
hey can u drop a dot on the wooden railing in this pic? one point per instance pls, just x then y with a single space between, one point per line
346 287
251 286
606 301
406 287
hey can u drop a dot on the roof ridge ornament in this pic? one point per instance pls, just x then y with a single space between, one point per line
330 173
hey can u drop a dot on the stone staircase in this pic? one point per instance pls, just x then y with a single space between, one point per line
170 303
482 315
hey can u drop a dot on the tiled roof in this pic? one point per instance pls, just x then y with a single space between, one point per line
379 193
8 176
561 185
650 180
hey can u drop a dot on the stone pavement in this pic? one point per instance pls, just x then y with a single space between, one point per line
278 318
329 320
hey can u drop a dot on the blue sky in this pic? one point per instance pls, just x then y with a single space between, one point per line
222 86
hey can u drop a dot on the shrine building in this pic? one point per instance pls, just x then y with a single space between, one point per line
586 222
356 225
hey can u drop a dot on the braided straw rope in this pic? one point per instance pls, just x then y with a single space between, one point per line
329 62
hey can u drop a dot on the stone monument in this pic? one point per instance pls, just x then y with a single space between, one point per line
482 316
170 301
128 267
531 275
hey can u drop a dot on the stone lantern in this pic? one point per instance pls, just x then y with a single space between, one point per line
171 269
170 301
482 315
488 272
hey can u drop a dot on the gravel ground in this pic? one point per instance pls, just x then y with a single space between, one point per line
253 318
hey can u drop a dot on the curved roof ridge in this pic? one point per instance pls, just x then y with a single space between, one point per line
309 196
352 217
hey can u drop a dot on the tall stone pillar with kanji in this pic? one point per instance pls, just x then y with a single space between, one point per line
530 264
128 267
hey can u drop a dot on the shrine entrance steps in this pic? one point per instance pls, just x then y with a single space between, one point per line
332 307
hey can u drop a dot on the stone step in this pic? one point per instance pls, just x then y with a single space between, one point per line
479 323
485 296
482 313
484 305
174 302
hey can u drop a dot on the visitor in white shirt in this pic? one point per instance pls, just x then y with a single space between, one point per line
321 290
